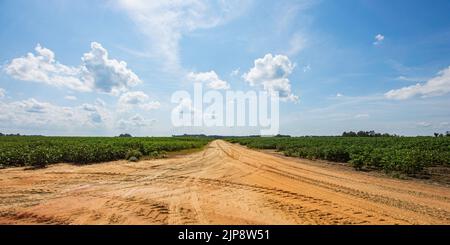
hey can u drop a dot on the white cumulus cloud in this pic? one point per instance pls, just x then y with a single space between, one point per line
272 73
107 75
138 99
2 92
94 112
136 121
211 78
35 114
437 86
100 103
133 98
152 105
42 67
89 107
33 106
378 39
96 72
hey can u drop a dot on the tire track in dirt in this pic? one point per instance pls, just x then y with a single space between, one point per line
223 184
301 167
435 212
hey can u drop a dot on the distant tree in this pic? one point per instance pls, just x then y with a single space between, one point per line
361 133
349 134
447 133
126 135
281 135
366 133
436 134
2 134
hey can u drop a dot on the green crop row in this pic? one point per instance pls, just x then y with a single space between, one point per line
409 155
40 151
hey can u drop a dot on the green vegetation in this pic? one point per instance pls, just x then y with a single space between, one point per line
133 154
407 155
38 151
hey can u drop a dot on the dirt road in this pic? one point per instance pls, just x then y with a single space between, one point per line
223 184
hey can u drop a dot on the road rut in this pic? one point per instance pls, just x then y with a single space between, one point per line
222 184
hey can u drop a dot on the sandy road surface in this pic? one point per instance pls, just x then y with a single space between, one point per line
223 184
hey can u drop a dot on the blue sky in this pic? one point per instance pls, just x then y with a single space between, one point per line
356 65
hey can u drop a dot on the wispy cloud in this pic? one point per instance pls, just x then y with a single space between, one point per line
70 97
437 86
296 44
362 116
306 68
165 22
424 124
235 72
444 125
411 79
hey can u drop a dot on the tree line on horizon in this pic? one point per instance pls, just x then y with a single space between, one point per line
360 133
